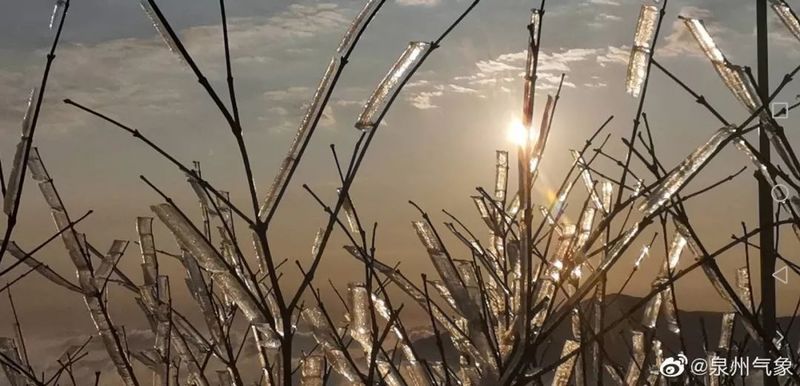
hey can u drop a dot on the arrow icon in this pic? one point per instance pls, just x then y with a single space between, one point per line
777 340
782 275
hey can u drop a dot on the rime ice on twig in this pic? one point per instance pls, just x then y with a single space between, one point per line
161 28
640 52
41 268
726 331
501 176
144 227
787 16
312 371
326 337
391 84
634 367
739 84
743 284
78 250
642 254
731 75
313 112
357 26
58 8
190 238
15 178
586 176
110 260
564 370
8 347
681 175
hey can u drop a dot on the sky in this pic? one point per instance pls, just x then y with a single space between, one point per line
437 145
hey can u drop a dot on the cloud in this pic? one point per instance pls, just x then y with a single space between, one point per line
614 55
680 42
605 2
140 77
501 73
424 3
422 99
288 107
462 90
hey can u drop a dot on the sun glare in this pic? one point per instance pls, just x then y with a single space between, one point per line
517 133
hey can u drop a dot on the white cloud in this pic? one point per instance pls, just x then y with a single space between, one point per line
614 55
141 77
680 42
605 2
424 3
462 90
493 66
422 100
288 106
607 16
501 73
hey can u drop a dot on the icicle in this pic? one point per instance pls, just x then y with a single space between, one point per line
206 201
428 238
637 64
191 239
312 371
533 27
670 313
741 146
607 189
225 378
645 251
733 76
144 227
501 176
41 268
561 201
58 10
684 172
36 167
350 214
161 28
587 219
638 358
357 26
530 69
325 336
712 377
462 343
676 247
310 119
650 316
564 370
743 284
618 247
726 331
564 243
391 84
654 376
513 206
8 347
360 315
737 80
787 16
15 178
698 29
109 262
615 376
586 176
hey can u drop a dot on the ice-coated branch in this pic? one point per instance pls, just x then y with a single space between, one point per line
13 195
